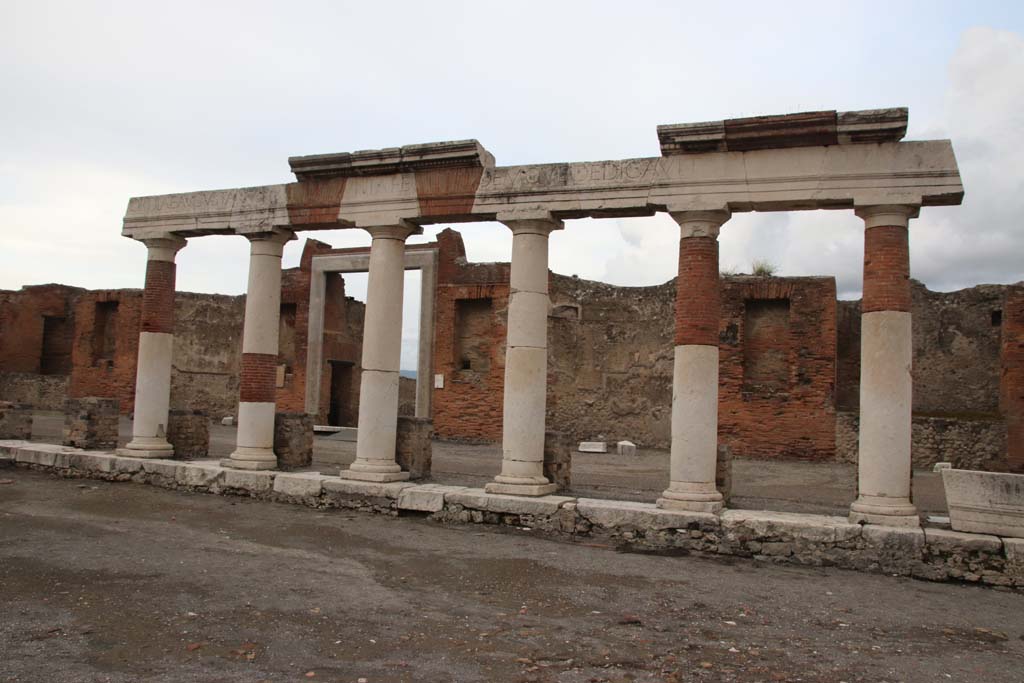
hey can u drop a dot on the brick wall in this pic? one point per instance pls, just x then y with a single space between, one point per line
777 367
1012 368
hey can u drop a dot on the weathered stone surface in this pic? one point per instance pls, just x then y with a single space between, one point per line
163 468
91 422
188 432
293 439
947 541
126 465
558 459
371 489
619 514
478 499
201 475
593 447
425 498
299 484
768 524
626 448
15 421
251 481
413 446
985 502
906 542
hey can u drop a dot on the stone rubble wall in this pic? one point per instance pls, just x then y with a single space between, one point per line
558 450
91 422
293 439
771 537
15 421
969 444
188 432
42 392
413 446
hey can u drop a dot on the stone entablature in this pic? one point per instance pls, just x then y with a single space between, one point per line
458 182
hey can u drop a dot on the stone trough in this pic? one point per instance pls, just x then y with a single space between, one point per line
985 502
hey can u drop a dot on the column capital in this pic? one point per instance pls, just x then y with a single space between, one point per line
401 230
269 243
889 215
542 225
164 248
703 223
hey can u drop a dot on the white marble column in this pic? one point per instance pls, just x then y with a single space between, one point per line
694 452
382 351
526 362
883 462
254 445
156 339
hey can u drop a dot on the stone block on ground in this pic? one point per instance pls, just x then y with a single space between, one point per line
414 445
627 448
251 481
425 498
293 440
985 502
299 484
188 432
558 459
201 475
15 421
91 423
593 447
228 421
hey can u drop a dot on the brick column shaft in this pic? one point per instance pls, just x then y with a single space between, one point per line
254 441
694 451
884 466
156 339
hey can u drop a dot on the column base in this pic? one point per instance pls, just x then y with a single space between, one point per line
376 477
147 447
695 498
884 511
521 489
248 458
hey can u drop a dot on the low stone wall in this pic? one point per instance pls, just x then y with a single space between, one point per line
413 447
812 540
293 439
970 444
91 422
188 432
15 421
42 392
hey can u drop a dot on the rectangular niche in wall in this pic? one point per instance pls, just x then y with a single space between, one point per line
104 334
766 344
474 323
55 355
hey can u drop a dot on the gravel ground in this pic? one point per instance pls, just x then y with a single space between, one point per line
122 582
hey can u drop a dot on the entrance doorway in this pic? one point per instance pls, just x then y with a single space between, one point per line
343 408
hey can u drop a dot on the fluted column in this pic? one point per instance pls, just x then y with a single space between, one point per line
526 362
382 351
694 452
254 445
156 340
883 463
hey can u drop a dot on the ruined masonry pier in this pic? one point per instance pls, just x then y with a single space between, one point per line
706 172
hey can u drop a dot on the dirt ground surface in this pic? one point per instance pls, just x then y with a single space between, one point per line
787 486
105 582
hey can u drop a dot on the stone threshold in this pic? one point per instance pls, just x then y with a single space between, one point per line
778 537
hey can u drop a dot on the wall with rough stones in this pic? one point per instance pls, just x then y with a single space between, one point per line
42 392
1011 396
100 331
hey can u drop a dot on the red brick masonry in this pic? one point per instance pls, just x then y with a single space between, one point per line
258 378
886 269
158 297
697 292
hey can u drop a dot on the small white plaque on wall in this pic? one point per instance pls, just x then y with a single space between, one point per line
439 381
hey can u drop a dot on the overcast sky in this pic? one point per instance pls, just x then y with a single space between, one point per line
104 101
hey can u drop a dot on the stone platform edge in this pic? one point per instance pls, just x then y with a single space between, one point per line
777 537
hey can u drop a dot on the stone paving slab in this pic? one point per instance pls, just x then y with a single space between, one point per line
372 489
426 497
948 540
622 514
253 481
478 499
299 484
767 523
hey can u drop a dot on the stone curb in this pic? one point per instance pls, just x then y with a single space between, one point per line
814 540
